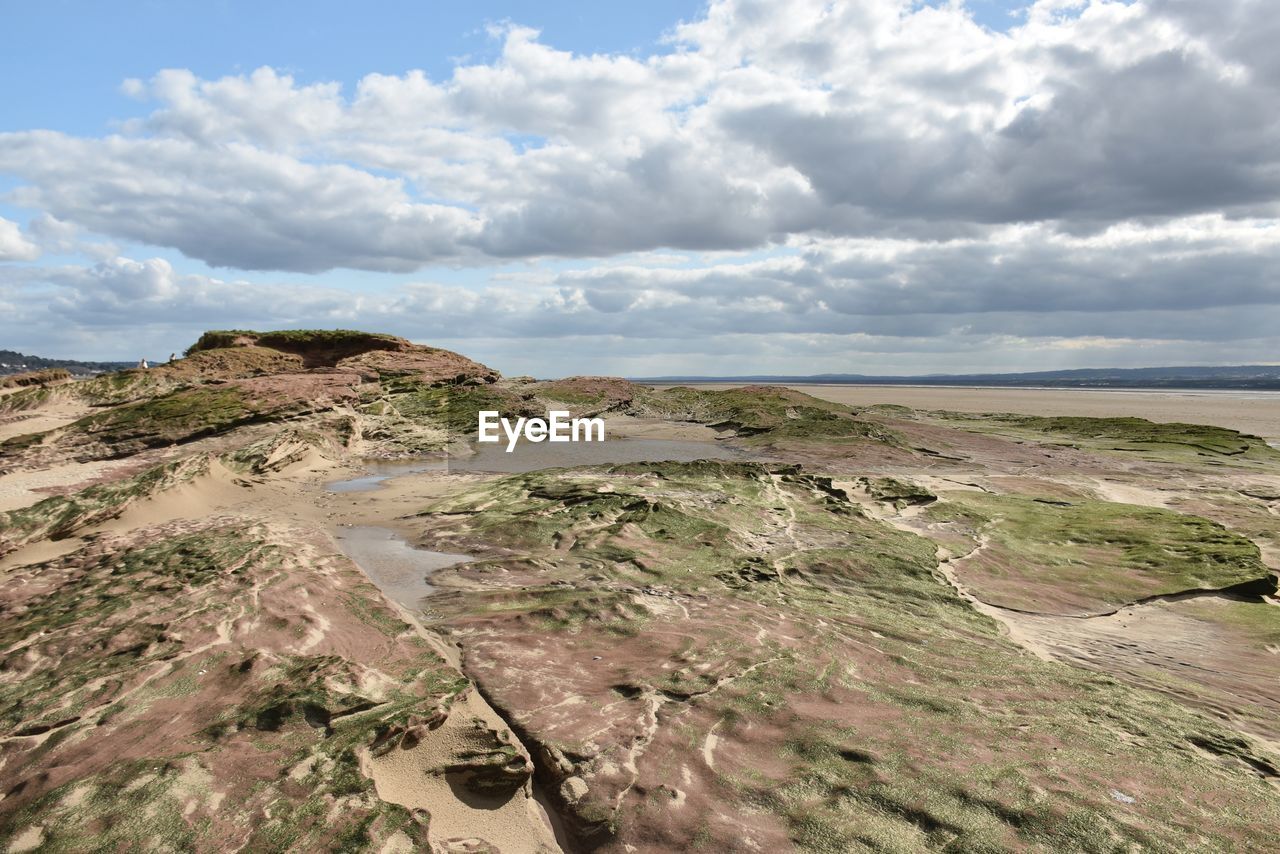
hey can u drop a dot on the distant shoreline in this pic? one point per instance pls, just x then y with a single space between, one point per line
1169 378
1179 390
1252 411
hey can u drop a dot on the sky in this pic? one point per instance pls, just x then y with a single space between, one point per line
734 187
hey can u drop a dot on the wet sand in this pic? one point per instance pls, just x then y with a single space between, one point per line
1254 412
401 571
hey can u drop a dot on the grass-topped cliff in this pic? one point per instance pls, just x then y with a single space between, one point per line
316 344
238 379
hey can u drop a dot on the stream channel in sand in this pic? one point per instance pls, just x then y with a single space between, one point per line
402 572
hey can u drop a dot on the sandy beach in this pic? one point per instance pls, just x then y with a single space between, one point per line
1255 412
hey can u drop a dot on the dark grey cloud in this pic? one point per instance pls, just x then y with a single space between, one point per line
1201 280
1163 136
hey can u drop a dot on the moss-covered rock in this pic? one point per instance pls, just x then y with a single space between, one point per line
316 347
897 491
1154 439
44 377
763 414
807 666
1061 556
155 693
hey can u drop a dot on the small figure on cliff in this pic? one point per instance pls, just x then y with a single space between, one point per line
143 364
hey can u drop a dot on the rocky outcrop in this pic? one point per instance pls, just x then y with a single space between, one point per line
317 347
48 376
374 356
231 363
488 762
211 677
414 398
427 365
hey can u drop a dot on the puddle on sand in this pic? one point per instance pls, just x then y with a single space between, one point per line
380 470
531 456
399 570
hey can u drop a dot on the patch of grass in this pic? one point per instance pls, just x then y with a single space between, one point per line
93 588
1256 623
1158 440
761 413
1094 554
27 398
231 363
592 394
315 347
15 445
455 408
170 418
293 340
173 417
127 386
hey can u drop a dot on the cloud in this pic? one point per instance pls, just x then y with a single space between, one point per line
885 179
1128 292
232 205
1119 112
763 123
14 246
120 293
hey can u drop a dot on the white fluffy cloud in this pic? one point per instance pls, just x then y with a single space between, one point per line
14 246
1104 171
765 121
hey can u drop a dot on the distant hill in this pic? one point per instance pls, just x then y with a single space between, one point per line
12 362
1265 377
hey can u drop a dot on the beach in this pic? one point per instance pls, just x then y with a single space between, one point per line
1254 412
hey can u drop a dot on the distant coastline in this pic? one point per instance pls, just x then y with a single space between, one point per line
1226 391
1185 378
1249 410
13 362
